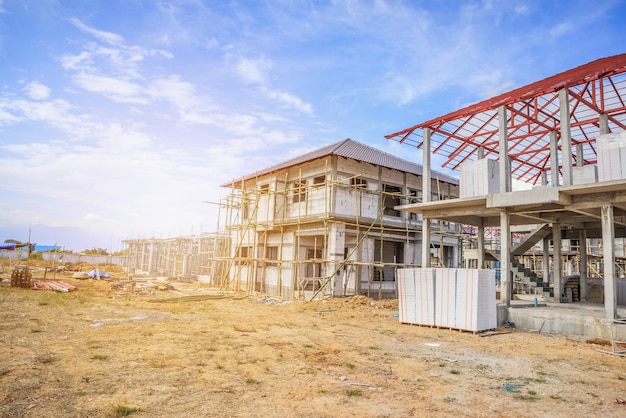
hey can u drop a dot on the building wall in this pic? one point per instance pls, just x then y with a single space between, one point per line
304 227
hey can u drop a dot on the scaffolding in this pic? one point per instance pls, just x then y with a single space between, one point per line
325 226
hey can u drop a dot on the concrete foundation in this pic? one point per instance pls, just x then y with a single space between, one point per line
573 320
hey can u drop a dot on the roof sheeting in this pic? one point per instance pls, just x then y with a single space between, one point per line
348 148
596 88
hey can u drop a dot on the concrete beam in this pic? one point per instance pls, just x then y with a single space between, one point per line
566 138
503 150
426 242
554 160
426 180
557 269
608 252
582 269
505 260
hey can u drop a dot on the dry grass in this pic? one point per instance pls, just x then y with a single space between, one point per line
89 352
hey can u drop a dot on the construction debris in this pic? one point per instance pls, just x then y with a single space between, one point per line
53 285
21 277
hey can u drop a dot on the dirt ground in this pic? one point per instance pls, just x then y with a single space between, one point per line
102 352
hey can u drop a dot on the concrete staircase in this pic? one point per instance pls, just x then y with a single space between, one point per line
521 274
531 239
532 283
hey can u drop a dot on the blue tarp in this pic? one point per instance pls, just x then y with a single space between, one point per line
7 247
93 274
41 248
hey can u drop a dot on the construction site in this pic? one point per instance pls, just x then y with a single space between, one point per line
341 220
300 303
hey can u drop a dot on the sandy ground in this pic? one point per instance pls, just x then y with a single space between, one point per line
98 352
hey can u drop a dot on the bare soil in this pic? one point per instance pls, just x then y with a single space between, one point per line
102 352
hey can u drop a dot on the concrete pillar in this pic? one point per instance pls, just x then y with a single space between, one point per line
579 155
566 138
426 196
503 150
150 257
546 261
604 124
505 259
480 153
554 160
582 238
336 247
557 268
544 178
608 253
480 244
426 182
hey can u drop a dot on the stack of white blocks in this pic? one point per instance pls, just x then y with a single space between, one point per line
611 150
417 305
451 298
479 178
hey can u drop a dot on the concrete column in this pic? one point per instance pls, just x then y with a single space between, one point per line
150 257
426 196
557 267
425 242
480 244
554 160
336 247
480 153
608 253
582 238
604 124
505 259
546 261
566 138
503 150
426 182
544 178
579 155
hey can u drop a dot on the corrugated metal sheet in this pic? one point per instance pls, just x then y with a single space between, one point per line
349 148
53 285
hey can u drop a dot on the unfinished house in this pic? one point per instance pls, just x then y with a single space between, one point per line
564 137
187 258
326 223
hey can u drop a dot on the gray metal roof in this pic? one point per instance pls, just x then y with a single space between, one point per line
349 148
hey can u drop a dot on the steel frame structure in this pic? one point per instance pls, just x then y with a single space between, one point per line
594 89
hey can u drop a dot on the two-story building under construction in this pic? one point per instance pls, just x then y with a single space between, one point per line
324 224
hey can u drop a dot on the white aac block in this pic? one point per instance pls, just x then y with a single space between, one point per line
445 291
406 295
586 174
416 296
476 300
479 178
610 148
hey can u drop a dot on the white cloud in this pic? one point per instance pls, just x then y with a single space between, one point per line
178 92
289 100
560 29
253 71
37 91
7 118
113 88
108 37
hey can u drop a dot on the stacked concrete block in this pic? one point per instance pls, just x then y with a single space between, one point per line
445 289
611 150
585 174
476 300
462 299
416 296
479 178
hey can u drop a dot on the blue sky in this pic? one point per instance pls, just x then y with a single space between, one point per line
119 117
